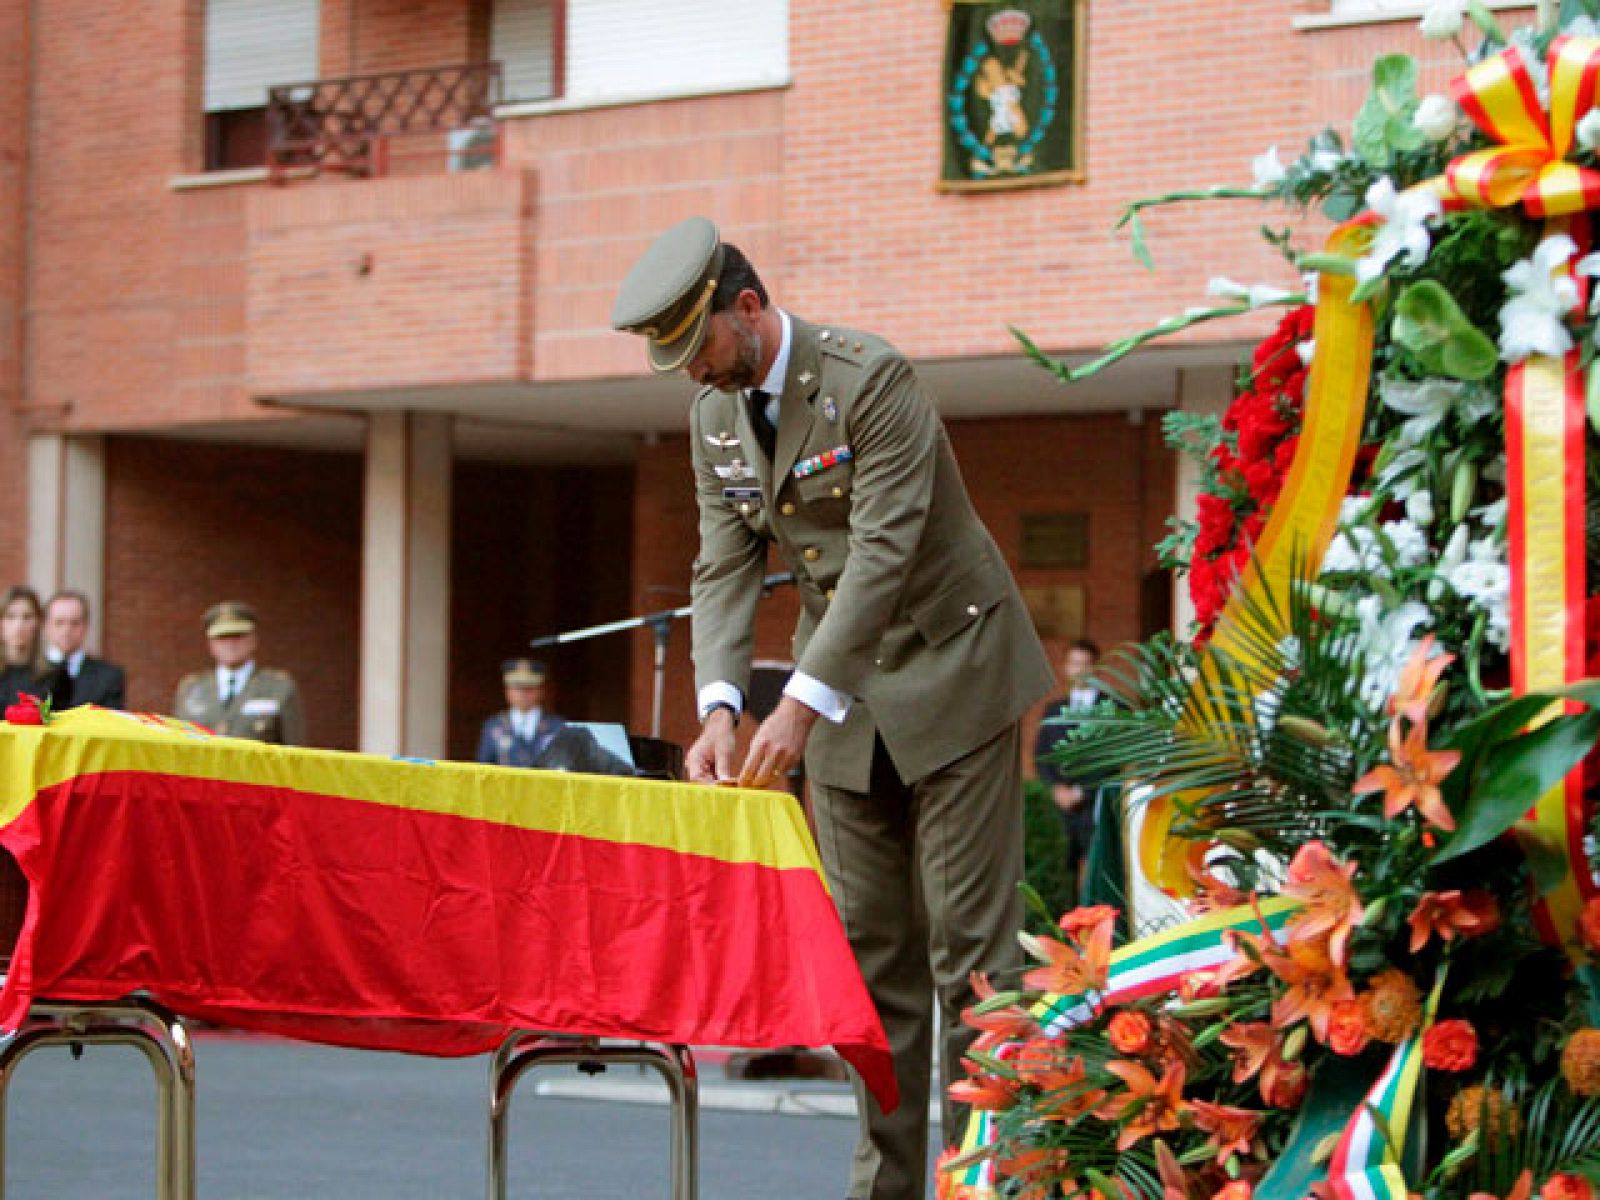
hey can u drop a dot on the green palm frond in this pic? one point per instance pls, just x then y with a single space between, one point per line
1259 732
1557 1132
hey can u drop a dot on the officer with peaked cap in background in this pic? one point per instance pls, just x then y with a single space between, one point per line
517 736
916 658
236 697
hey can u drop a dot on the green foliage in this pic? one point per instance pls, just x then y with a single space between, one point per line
1432 329
1384 124
1045 849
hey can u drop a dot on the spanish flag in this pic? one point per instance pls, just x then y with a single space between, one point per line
429 907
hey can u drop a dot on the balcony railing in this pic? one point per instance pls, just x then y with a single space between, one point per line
348 124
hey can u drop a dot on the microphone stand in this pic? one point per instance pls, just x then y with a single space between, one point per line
660 626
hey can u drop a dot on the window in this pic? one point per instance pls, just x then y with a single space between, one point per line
250 46
650 47
595 51
522 39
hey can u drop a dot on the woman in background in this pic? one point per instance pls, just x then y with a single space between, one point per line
23 667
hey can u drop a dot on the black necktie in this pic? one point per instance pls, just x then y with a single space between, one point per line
766 431
227 690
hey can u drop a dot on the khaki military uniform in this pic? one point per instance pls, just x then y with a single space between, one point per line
908 606
266 709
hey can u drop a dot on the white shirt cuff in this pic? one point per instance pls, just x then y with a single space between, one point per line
720 692
826 702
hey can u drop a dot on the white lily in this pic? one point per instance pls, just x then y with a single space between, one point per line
1443 19
1256 295
1437 117
1533 320
1419 507
1404 230
1267 169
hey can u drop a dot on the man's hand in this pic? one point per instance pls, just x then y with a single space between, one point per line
778 744
710 759
1067 796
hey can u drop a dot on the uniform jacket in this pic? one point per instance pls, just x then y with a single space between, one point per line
906 602
267 708
97 682
500 746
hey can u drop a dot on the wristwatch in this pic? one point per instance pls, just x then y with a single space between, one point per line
716 704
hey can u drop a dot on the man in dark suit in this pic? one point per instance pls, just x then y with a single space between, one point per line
1076 801
86 679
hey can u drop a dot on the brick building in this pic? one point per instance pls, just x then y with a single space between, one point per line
386 407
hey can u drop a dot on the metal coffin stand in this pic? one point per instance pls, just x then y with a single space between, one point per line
162 1038
136 1022
522 1052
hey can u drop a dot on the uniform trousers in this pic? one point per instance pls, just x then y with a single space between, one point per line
925 879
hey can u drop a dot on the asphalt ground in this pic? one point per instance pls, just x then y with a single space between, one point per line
287 1121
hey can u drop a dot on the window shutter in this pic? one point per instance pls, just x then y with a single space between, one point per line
642 47
253 44
521 40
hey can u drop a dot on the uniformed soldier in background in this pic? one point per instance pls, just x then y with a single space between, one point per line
517 736
526 735
916 658
236 697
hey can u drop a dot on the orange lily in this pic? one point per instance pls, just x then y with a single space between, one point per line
1232 1130
1152 1106
1174 1183
987 1092
1332 905
1450 913
1041 1171
1070 970
1418 677
1252 1043
1062 1094
1090 917
1210 893
1316 986
1412 776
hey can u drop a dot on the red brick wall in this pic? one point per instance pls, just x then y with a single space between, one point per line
389 283
189 525
1117 472
610 180
13 166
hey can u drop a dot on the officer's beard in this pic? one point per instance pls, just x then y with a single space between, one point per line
746 363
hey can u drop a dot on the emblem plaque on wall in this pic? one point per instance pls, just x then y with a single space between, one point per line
1013 94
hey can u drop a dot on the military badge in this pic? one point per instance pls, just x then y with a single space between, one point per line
821 462
830 409
736 470
722 441
806 377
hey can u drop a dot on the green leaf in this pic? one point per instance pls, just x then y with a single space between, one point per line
1431 326
1514 774
1384 124
1337 1088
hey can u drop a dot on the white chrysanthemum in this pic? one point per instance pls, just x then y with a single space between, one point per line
1437 117
1404 230
1387 639
1407 542
1542 293
1419 507
1427 403
1267 169
1484 580
1442 21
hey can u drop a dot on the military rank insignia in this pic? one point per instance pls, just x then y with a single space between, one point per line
821 462
830 410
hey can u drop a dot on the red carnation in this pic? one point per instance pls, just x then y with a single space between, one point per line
1450 1046
26 711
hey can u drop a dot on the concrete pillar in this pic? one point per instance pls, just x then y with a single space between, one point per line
67 518
405 585
1200 390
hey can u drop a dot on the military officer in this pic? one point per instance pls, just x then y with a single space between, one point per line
915 656
520 734
236 697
